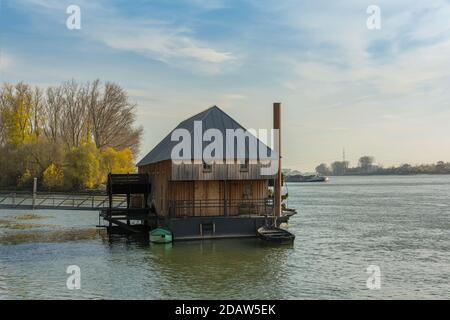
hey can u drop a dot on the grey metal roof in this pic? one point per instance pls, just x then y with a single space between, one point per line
212 118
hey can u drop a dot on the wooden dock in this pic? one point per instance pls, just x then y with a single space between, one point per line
134 219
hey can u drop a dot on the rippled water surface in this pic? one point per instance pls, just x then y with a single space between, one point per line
401 224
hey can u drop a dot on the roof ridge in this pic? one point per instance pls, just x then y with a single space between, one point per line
211 117
197 114
208 111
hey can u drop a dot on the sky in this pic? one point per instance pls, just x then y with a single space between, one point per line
381 92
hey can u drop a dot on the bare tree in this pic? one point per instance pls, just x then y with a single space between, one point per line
74 114
53 113
112 118
2 125
37 106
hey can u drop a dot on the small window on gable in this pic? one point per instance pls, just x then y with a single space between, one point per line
244 166
207 167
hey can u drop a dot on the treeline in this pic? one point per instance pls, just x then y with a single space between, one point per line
69 136
367 166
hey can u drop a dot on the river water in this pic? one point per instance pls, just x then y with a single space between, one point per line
398 225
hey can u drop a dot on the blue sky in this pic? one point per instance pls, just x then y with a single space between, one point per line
382 92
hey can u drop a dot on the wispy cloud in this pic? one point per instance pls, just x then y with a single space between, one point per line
343 61
235 96
208 4
165 41
6 61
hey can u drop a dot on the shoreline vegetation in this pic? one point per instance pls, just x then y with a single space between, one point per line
368 167
69 136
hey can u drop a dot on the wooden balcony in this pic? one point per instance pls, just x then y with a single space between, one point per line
220 207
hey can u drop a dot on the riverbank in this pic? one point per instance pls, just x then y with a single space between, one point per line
388 174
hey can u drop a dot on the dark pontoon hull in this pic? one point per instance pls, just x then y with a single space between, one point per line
195 228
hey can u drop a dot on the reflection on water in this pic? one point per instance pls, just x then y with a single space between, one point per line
398 223
48 236
23 228
225 268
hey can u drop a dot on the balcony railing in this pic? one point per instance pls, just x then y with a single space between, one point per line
220 207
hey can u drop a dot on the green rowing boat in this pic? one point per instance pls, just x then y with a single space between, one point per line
275 235
160 235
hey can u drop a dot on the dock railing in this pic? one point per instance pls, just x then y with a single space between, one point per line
61 201
220 207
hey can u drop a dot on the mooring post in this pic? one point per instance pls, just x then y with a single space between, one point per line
34 191
128 208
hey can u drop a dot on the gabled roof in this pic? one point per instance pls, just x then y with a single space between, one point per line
212 118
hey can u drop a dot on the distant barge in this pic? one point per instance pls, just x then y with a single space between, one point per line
302 178
195 200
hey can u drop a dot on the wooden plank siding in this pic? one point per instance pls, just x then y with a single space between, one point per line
200 193
218 171
159 173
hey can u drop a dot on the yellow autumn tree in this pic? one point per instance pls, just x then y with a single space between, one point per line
65 135
82 167
16 114
53 177
114 161
26 179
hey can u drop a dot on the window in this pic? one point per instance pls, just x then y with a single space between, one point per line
244 166
206 167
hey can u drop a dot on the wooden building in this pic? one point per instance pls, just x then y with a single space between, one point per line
197 200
